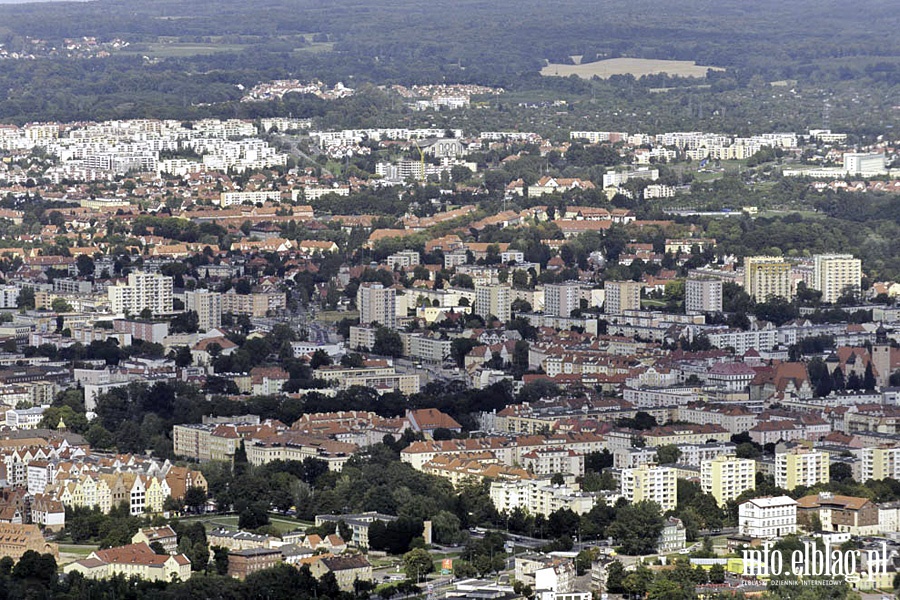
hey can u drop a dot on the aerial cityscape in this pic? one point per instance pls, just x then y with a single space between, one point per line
510 301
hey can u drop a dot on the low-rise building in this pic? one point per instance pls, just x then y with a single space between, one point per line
765 518
242 563
346 569
133 560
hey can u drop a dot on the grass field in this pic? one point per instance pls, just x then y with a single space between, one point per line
604 69
315 47
333 316
282 524
180 49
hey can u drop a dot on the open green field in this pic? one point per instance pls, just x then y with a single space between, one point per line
604 69
282 524
182 49
314 48
333 316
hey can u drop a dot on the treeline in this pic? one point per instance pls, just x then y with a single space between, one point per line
35 576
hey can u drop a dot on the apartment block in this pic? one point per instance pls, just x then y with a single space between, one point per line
143 291
406 258
650 482
702 295
620 296
767 277
801 466
836 274
880 462
207 305
493 300
726 477
257 304
560 299
377 304
539 496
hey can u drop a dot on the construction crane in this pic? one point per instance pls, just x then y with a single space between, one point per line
421 159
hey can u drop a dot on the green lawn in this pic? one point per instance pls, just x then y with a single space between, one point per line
282 524
333 316
182 49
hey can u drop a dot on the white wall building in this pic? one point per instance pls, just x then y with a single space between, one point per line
766 518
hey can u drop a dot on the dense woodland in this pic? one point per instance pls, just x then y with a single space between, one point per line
845 54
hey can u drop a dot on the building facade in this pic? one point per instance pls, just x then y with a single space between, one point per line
836 274
726 477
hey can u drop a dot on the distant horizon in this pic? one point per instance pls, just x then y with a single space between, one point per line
39 1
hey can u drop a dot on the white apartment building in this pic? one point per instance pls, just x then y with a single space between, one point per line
702 295
549 461
620 296
377 304
25 418
560 299
207 305
766 277
143 290
539 496
765 518
650 482
493 300
836 274
9 296
232 198
726 477
406 258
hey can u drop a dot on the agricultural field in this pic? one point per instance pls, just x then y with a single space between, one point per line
604 69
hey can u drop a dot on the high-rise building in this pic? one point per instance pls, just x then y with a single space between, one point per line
726 476
493 300
207 305
650 482
143 291
836 274
801 466
621 296
377 304
702 295
560 299
766 277
880 462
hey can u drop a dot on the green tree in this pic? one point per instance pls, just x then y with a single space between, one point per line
637 527
668 454
417 563
60 305
387 342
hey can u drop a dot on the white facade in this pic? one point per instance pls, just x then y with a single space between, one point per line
143 290
702 295
765 518
377 304
561 299
835 274
864 164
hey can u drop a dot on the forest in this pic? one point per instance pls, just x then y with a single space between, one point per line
185 60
